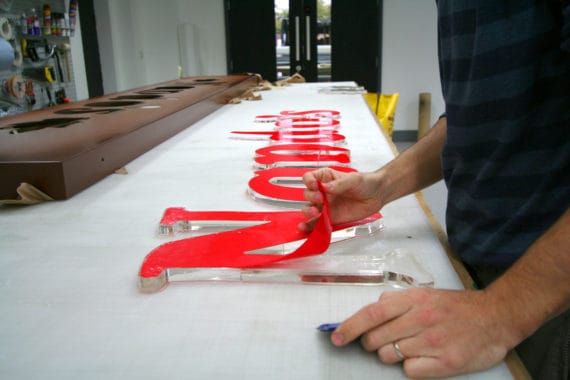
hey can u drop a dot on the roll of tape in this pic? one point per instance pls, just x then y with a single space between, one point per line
16 87
6 30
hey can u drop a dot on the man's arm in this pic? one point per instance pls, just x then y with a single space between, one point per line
353 196
537 287
414 169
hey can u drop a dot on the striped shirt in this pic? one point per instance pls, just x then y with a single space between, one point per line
505 73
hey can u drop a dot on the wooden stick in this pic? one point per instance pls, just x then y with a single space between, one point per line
424 114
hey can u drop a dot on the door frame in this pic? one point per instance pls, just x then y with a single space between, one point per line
358 55
250 37
249 50
91 49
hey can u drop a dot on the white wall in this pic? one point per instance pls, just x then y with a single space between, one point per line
409 58
202 37
150 39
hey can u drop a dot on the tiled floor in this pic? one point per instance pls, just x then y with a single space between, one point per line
435 195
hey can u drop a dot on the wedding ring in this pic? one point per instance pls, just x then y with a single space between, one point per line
398 352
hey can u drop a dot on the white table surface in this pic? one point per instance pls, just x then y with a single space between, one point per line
70 307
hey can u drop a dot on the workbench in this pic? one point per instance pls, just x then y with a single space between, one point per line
70 303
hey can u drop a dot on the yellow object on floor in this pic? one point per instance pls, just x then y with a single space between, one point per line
384 107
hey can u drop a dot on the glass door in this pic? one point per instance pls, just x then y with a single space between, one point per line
323 40
303 38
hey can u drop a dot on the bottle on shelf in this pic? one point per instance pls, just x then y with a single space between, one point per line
67 26
30 23
72 16
47 20
36 23
24 24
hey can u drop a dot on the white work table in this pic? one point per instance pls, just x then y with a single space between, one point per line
70 307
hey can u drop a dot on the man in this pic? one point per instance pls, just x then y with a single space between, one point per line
503 148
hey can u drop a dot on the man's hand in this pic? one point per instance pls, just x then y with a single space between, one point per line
440 333
351 196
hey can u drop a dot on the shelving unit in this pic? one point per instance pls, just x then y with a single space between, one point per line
42 72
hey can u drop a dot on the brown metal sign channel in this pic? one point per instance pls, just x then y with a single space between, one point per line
64 149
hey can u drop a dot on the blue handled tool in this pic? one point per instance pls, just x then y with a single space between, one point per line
328 327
